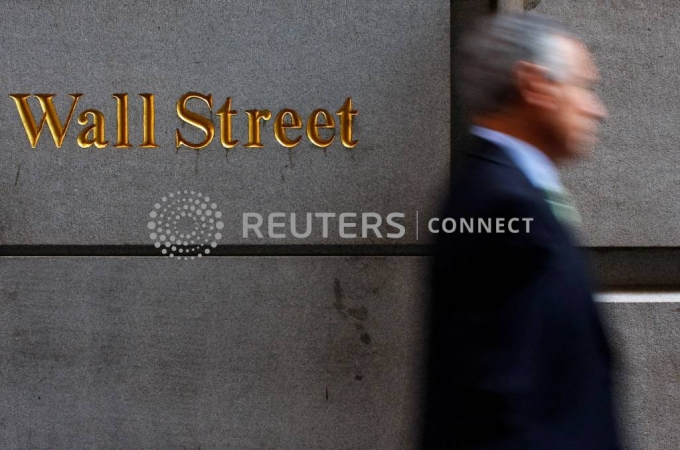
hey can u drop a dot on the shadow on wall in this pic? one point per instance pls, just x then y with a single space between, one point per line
531 4
510 5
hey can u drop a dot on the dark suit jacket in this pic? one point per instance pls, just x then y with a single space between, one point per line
518 359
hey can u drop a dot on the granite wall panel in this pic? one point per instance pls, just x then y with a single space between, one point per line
234 352
390 57
256 352
628 189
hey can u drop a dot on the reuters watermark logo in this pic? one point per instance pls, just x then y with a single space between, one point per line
185 225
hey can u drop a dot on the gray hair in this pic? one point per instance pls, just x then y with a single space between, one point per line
490 52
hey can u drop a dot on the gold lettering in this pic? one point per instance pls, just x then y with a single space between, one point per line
280 127
313 127
346 114
254 116
50 116
149 121
98 129
202 123
225 113
123 137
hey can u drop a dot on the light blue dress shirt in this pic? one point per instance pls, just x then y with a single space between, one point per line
537 167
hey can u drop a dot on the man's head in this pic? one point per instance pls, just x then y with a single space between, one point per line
526 75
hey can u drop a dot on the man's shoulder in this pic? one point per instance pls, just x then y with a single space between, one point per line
488 186
486 176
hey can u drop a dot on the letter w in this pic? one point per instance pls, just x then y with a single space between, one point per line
49 114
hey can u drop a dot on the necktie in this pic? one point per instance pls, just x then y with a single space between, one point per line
562 205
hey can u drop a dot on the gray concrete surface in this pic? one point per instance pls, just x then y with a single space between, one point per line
628 190
225 353
255 353
391 57
286 352
646 339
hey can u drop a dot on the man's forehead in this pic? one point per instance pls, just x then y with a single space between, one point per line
581 63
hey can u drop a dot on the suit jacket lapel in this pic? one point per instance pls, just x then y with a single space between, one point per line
489 151
481 148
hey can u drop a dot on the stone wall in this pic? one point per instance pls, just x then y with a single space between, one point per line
288 343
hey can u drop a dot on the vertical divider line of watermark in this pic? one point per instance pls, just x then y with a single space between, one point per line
416 224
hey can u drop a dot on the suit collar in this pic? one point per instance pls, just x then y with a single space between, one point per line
490 151
535 164
485 149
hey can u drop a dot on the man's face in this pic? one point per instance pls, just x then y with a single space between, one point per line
577 110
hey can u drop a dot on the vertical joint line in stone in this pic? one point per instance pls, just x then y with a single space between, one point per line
416 224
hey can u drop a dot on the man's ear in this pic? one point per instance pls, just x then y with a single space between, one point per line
535 85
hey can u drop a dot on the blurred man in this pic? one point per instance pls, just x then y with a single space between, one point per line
518 357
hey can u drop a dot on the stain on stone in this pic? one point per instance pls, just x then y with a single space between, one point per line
366 338
337 291
12 296
356 317
359 313
291 154
326 394
338 304
531 4
358 377
16 180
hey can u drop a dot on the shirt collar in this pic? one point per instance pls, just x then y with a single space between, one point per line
535 165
